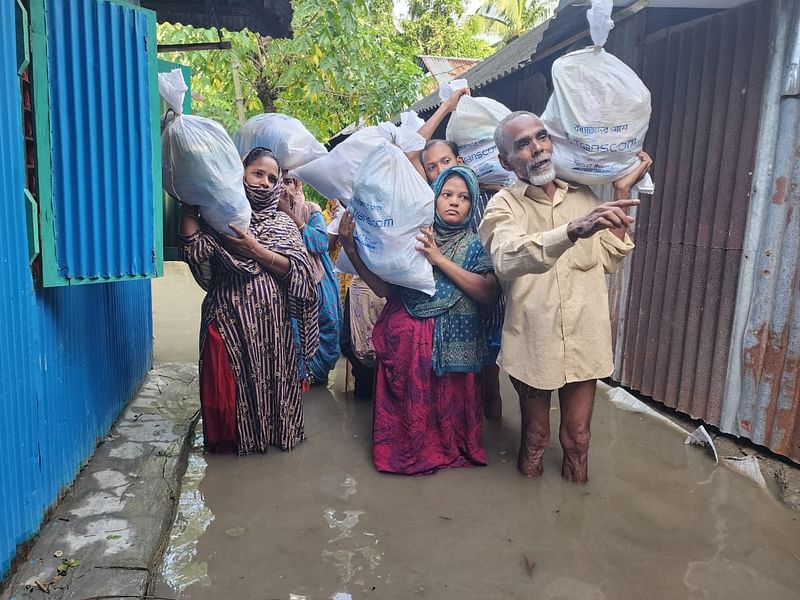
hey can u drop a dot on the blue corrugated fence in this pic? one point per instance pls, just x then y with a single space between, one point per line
70 357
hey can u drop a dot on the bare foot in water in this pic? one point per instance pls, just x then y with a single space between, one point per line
575 468
530 463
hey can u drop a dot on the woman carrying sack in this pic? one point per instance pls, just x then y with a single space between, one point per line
430 350
250 391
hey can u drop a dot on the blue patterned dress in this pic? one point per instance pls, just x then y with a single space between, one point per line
315 238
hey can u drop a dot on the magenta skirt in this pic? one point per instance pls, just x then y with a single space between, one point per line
422 422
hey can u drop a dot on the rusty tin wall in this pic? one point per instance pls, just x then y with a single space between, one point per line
706 80
762 400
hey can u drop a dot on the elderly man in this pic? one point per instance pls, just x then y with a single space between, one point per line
551 244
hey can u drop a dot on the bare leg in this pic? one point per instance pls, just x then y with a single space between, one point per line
577 402
492 402
535 409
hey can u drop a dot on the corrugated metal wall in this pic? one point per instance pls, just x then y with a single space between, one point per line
69 357
673 303
706 81
100 94
762 400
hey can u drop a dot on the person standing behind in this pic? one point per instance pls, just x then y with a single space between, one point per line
311 224
256 282
551 244
430 350
362 307
331 213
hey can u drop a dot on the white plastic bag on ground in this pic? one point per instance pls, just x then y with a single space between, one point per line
747 466
333 175
597 117
471 128
700 437
390 202
200 164
624 400
284 135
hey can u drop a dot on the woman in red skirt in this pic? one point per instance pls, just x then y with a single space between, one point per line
431 350
256 282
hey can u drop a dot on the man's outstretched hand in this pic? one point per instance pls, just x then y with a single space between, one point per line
609 215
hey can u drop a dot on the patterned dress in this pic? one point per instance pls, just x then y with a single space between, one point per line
430 351
315 238
250 391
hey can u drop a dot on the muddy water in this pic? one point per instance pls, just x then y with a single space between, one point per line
657 520
176 315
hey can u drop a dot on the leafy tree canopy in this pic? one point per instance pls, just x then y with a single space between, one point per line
344 65
510 18
348 62
438 27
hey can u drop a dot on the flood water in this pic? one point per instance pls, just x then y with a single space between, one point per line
658 519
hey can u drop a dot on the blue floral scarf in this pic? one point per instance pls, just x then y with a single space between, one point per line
459 336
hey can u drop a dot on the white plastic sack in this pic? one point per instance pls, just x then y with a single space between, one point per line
333 175
284 135
448 88
391 201
471 128
200 164
600 23
597 117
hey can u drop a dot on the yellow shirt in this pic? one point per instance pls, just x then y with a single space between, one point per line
557 328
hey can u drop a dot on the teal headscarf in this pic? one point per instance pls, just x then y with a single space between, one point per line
459 336
445 231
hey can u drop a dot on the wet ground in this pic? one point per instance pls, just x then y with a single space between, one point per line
658 519
176 315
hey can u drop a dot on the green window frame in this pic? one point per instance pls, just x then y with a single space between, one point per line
42 222
23 71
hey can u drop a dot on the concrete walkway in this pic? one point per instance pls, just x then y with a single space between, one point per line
105 537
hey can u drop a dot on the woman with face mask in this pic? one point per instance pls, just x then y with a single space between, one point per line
256 282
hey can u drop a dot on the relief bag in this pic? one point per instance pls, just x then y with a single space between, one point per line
599 112
287 137
200 164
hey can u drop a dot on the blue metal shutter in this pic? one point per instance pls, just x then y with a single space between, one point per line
105 155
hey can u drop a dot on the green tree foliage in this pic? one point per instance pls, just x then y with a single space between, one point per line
510 18
438 27
344 65
213 92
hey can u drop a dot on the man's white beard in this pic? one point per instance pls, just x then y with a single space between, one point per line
543 178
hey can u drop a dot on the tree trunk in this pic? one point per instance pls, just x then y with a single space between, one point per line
266 94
